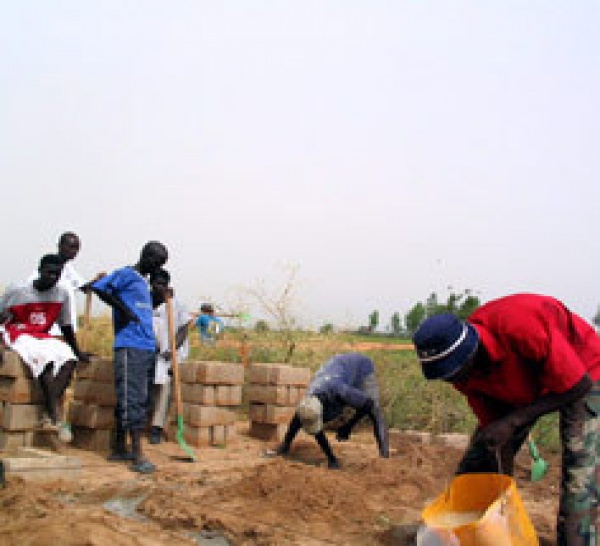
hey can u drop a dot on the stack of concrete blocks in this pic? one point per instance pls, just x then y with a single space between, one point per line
92 412
21 405
274 393
211 393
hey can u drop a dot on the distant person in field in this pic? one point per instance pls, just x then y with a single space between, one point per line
516 359
159 283
210 327
27 313
345 381
126 291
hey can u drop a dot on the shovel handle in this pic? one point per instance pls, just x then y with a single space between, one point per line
85 327
173 349
532 447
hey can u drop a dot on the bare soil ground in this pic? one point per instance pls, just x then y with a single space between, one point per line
245 499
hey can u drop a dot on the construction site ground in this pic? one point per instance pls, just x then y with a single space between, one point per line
233 495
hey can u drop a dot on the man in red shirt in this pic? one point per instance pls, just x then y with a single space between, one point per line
515 359
27 312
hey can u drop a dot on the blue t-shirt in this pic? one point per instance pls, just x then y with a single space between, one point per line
133 290
340 382
209 326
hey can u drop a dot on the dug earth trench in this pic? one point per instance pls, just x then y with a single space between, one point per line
234 496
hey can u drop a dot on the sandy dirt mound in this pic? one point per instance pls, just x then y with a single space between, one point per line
248 499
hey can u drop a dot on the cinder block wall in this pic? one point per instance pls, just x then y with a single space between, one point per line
274 391
20 405
211 393
92 411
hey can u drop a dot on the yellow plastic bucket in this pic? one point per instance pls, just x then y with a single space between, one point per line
481 510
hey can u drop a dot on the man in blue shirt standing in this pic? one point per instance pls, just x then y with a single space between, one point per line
346 380
126 290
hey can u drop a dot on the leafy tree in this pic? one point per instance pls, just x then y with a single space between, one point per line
596 319
373 321
326 329
261 326
462 304
469 305
396 324
434 307
414 317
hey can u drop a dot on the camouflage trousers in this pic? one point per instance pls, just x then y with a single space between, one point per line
579 510
578 521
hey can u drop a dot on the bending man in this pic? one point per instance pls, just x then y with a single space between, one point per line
515 359
345 381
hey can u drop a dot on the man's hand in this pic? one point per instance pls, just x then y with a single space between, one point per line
84 357
87 287
343 433
333 464
498 433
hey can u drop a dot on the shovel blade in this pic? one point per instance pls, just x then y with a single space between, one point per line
539 469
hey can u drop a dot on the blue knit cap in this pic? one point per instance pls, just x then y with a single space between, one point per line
444 344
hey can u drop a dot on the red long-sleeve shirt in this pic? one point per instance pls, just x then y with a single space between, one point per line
536 346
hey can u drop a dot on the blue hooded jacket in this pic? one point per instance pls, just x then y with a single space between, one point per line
339 383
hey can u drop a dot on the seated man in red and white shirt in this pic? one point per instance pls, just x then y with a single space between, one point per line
27 312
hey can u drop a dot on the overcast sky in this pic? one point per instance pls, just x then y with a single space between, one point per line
387 149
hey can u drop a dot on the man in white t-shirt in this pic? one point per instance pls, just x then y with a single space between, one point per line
68 248
161 392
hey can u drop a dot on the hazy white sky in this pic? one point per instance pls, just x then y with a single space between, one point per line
387 148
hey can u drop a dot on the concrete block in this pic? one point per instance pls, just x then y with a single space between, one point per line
198 394
92 415
259 374
20 416
267 432
290 375
92 392
197 437
269 413
257 413
217 435
228 395
35 464
99 370
207 416
279 395
187 372
279 374
20 390
230 433
11 365
98 440
269 394
296 394
12 440
453 440
215 373
279 414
